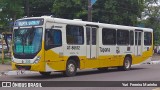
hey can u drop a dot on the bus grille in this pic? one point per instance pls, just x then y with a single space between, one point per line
23 67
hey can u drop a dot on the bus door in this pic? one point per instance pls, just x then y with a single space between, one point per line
138 43
91 35
53 44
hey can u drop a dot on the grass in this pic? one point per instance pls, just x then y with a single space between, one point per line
6 60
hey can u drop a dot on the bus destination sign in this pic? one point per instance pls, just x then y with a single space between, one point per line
28 22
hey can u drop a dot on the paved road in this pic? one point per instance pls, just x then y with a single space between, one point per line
137 73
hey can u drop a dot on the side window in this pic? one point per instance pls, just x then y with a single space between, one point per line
136 34
122 37
138 38
94 36
88 35
108 36
75 35
131 38
147 38
53 38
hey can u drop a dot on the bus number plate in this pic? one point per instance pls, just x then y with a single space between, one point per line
27 61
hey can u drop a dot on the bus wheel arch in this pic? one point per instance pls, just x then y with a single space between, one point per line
71 66
76 59
127 62
130 56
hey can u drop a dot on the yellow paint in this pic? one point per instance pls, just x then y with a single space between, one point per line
40 66
58 65
145 56
92 63
56 62
34 67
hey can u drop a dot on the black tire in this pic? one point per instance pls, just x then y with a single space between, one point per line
103 69
71 68
45 73
126 64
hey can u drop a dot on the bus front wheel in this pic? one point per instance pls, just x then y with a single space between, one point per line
126 64
71 68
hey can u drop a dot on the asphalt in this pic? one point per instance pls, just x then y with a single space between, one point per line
144 72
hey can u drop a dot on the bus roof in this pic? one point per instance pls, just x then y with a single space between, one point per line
85 23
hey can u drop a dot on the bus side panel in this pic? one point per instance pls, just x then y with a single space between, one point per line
54 60
107 53
122 51
54 56
80 53
74 50
147 52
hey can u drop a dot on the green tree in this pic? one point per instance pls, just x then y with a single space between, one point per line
11 10
106 11
39 7
14 9
70 9
124 12
152 18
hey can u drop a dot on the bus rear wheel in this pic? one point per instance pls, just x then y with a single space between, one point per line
126 64
45 73
71 68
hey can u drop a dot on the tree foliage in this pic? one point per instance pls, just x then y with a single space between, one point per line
152 14
14 9
124 12
11 10
70 9
40 7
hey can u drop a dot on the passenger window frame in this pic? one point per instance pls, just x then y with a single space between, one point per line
49 46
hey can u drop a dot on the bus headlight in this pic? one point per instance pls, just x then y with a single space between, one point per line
37 59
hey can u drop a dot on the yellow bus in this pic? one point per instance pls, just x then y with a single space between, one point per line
46 44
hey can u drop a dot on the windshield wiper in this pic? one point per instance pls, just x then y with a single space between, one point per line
23 36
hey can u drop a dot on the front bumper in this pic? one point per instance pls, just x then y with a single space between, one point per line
31 67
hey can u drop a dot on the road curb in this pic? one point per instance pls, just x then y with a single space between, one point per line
16 72
155 62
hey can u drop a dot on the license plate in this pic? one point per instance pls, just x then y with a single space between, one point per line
28 61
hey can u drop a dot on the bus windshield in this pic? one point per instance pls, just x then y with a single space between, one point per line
27 40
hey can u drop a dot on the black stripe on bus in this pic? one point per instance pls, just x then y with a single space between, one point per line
139 30
91 25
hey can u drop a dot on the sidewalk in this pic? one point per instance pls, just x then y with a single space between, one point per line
5 67
156 57
156 89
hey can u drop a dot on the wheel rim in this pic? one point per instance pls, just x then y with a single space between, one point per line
71 68
127 64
